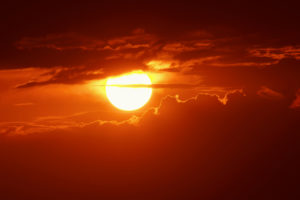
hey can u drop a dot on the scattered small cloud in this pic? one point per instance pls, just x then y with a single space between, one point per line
158 65
268 93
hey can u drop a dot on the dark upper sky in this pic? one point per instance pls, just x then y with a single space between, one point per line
275 23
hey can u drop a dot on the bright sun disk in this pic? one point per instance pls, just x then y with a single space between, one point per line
121 92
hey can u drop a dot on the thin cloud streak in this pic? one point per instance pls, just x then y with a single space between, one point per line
156 86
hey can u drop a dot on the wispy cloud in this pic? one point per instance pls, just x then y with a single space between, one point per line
24 104
71 41
277 53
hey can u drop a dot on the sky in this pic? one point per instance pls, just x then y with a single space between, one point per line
222 121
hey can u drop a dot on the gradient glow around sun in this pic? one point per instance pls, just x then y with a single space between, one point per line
129 98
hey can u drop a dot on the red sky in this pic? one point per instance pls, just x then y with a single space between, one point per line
222 123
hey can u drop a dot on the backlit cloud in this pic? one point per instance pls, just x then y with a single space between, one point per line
164 145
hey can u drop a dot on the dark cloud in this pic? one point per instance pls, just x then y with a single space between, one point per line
159 86
281 77
296 102
198 148
62 75
69 41
218 59
110 45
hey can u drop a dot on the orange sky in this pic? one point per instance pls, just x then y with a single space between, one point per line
222 121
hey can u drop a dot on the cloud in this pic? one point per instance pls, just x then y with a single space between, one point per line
216 60
159 86
159 65
277 53
73 41
59 123
187 46
281 77
62 75
268 93
193 145
24 104
296 103
203 102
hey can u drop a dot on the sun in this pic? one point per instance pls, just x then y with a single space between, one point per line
126 92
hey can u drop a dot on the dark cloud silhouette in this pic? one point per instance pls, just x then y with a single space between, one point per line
69 41
281 77
198 148
159 86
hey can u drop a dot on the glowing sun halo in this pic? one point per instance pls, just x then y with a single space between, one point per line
126 92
